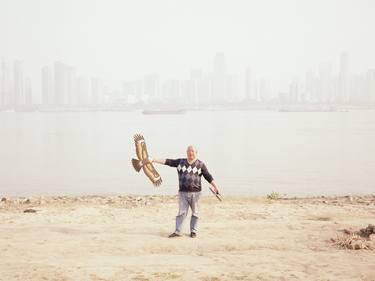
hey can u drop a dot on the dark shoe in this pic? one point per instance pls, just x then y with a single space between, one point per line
193 235
174 234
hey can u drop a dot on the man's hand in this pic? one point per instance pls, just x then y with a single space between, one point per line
214 187
215 191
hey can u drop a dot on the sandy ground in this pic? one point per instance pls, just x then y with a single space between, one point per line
125 238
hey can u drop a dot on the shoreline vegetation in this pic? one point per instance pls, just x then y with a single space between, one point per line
125 237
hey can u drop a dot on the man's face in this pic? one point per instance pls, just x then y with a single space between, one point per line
191 153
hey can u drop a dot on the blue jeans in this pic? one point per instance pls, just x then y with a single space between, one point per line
186 199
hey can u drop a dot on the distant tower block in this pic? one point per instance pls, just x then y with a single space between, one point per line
343 79
370 81
96 91
249 93
59 83
28 93
47 91
18 84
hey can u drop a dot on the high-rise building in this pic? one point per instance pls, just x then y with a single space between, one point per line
97 91
231 88
171 90
151 86
138 89
325 84
311 86
128 88
249 92
203 89
3 84
28 92
196 77
59 83
188 91
370 85
358 90
82 93
47 86
263 90
18 84
293 96
343 93
2 94
7 84
70 86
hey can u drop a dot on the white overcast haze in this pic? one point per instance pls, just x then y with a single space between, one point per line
123 40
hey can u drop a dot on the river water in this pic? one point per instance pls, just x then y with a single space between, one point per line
247 152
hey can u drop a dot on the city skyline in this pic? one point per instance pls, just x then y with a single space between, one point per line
61 86
123 40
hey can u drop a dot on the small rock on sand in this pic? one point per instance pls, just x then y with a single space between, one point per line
30 211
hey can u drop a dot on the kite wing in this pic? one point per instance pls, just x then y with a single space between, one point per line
142 154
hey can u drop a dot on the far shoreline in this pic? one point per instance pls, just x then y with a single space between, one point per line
144 200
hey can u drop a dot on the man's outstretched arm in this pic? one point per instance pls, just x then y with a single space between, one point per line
159 161
168 162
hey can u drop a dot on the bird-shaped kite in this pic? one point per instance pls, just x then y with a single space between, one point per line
144 161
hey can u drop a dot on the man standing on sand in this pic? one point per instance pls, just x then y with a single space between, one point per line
189 171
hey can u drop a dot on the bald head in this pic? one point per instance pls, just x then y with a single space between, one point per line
191 153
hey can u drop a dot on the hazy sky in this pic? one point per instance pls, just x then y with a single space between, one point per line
122 40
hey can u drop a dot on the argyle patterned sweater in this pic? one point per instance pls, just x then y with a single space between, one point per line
189 175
